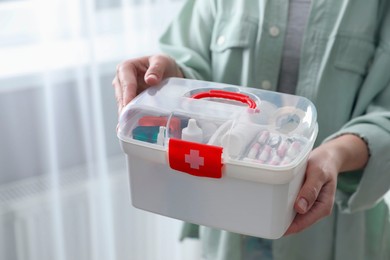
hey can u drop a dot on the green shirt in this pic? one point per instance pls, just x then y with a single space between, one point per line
344 71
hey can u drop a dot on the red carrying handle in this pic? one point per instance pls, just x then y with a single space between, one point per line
227 95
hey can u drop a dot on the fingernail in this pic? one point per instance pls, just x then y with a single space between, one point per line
152 77
302 204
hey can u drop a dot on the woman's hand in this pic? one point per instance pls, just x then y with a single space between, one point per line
316 197
135 75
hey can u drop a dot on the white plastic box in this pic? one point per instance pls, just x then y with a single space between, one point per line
238 166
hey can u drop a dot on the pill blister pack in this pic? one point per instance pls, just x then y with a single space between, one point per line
274 149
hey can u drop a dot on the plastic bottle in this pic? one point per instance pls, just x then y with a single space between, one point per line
192 132
161 135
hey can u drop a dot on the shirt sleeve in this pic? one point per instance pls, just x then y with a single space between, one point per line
188 39
363 189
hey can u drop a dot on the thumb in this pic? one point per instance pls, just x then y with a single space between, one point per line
156 70
308 194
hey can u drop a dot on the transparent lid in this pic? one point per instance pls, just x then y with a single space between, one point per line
251 125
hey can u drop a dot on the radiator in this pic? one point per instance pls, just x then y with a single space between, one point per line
71 222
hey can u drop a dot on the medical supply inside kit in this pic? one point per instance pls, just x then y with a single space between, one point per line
218 155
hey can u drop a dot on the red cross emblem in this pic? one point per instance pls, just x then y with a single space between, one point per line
194 158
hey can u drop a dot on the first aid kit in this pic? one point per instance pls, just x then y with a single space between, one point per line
218 155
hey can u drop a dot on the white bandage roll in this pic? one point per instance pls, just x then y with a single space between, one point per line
238 138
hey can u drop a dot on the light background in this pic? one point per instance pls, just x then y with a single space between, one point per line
64 190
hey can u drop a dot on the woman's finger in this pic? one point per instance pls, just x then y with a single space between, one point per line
158 65
127 74
118 93
309 191
321 207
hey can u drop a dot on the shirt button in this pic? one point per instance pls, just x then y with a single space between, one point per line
274 31
266 85
221 40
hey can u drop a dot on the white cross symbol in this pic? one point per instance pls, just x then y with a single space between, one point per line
194 159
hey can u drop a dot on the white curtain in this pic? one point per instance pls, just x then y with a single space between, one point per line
64 191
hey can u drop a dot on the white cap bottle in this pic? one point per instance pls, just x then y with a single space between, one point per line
192 132
161 135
